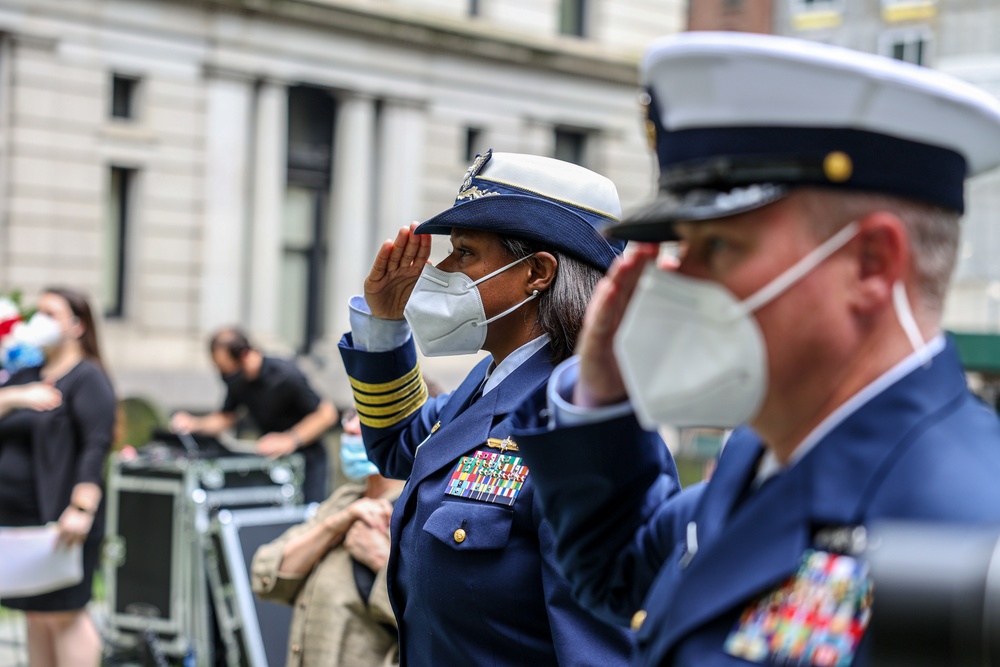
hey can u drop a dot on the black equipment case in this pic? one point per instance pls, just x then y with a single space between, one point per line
160 509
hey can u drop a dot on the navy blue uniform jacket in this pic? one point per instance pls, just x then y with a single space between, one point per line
496 597
923 449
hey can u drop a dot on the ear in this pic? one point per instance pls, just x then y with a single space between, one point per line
542 268
883 259
76 329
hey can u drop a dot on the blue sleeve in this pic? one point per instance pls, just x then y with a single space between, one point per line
392 403
607 490
579 637
373 334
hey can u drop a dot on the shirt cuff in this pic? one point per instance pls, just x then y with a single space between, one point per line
562 412
372 334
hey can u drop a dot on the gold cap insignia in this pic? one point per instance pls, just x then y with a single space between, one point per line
837 166
474 169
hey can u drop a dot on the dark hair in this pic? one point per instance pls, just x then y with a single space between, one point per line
231 339
562 306
80 308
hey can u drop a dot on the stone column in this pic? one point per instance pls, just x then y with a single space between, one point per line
352 209
224 241
6 94
269 182
401 151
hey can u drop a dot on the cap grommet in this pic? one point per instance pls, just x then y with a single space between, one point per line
837 166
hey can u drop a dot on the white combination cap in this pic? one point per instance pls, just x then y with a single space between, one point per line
555 203
738 119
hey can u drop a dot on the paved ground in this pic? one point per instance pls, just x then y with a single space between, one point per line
13 637
12 640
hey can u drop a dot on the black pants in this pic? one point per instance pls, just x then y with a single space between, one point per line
314 484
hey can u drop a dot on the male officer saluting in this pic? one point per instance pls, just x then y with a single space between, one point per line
817 193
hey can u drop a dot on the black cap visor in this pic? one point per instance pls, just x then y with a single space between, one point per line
654 222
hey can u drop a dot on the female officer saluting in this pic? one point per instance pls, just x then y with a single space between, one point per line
471 573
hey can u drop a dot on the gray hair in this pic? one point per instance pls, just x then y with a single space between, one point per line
933 232
562 306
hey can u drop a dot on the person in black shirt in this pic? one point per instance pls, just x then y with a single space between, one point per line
291 416
57 424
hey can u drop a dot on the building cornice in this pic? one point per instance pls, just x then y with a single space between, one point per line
468 38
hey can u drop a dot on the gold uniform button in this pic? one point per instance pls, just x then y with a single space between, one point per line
838 166
296 649
637 619
459 535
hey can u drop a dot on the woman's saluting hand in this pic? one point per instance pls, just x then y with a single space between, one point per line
397 266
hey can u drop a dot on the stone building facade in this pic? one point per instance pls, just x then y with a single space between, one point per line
733 15
192 163
960 37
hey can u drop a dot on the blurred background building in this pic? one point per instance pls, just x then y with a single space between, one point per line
193 163
962 38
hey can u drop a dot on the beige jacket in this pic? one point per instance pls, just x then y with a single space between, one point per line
331 625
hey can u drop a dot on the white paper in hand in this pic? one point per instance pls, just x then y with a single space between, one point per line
31 564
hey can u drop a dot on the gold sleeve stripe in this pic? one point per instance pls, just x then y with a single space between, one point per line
405 410
365 407
382 399
384 387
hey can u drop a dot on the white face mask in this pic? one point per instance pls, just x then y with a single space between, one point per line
445 311
43 331
691 354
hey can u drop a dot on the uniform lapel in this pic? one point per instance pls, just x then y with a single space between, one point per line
740 457
747 549
770 530
461 396
470 429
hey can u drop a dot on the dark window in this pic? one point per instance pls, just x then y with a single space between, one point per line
473 143
474 8
311 113
116 224
572 17
123 96
911 49
571 146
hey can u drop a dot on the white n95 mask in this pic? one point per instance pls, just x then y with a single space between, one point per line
691 354
42 330
445 311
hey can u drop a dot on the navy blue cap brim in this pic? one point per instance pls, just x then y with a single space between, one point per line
654 222
530 218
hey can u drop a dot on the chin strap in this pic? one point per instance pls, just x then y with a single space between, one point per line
905 316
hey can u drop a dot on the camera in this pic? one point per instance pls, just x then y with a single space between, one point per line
936 595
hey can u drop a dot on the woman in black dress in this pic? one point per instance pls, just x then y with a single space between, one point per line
56 427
